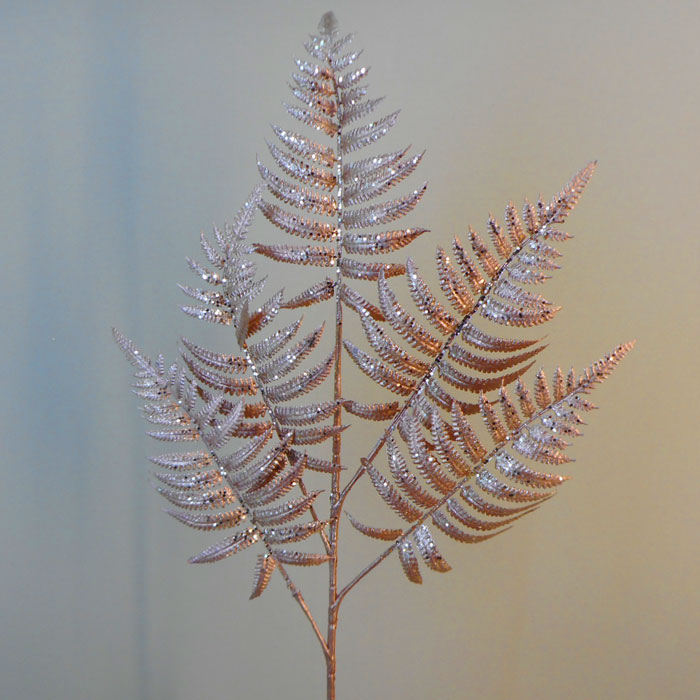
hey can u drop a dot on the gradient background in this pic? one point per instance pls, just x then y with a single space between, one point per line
129 127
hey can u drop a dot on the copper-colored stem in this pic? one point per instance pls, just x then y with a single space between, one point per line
335 506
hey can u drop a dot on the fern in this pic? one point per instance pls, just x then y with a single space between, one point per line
462 431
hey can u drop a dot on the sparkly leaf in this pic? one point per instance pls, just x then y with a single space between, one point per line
515 470
488 365
321 291
488 262
305 172
281 484
282 513
370 168
313 119
519 296
389 495
405 480
217 360
358 110
283 364
365 189
478 339
225 429
445 400
312 436
302 383
199 501
313 463
463 516
186 434
295 533
426 464
457 292
466 437
220 382
408 560
404 323
375 411
264 568
433 310
493 509
359 270
264 315
379 372
359 304
211 315
534 449
509 411
390 351
542 395
206 521
307 255
500 242
225 548
304 415
214 299
183 460
558 384
238 459
377 243
429 551
497 488
476 384
441 433
443 523
515 227
298 225
362 136
306 148
383 213
297 195
191 482
274 343
468 267
494 425
351 79
378 533
284 556
522 316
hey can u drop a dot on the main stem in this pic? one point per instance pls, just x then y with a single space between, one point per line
335 505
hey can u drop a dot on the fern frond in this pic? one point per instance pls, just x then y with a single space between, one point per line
463 453
497 473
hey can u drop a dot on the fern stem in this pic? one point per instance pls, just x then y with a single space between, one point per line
335 507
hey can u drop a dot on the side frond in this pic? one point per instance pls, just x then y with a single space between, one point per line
491 487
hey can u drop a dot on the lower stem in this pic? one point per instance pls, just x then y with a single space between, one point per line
330 657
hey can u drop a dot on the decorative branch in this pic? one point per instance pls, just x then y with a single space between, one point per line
439 358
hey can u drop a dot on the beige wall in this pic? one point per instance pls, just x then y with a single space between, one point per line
127 128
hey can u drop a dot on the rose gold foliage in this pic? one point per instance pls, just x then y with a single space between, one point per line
455 466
